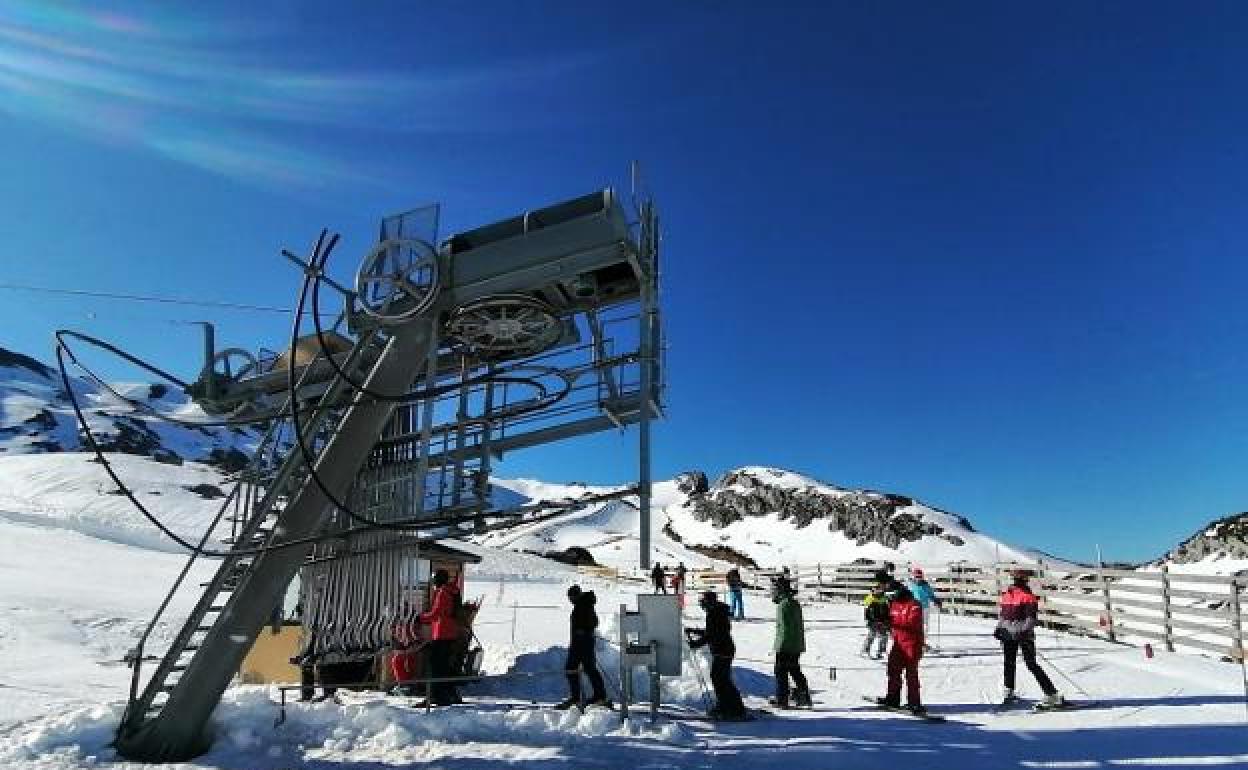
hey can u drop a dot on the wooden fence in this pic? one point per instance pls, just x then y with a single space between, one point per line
1179 611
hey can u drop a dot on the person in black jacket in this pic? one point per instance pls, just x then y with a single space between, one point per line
718 637
659 577
581 653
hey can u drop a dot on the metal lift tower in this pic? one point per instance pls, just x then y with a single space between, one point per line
450 354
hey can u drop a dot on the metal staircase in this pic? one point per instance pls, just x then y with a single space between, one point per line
166 720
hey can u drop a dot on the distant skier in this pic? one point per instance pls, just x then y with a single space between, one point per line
789 645
736 589
659 577
581 650
875 613
1016 630
718 637
444 632
925 595
906 623
678 584
886 575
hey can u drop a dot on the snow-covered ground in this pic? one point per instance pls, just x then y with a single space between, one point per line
77 586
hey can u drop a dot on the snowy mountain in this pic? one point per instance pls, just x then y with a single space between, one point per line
1221 547
754 516
36 416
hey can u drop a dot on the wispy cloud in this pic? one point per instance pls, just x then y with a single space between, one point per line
200 92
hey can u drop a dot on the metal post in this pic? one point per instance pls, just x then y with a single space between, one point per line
1167 627
1237 626
1237 633
210 352
626 674
426 419
647 353
1107 602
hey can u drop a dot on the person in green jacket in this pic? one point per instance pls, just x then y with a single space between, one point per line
790 644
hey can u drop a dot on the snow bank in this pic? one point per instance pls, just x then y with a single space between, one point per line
362 728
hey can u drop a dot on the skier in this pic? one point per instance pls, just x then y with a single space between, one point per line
678 584
885 575
875 612
443 634
906 622
736 593
1016 630
923 593
659 578
405 643
581 650
789 646
718 637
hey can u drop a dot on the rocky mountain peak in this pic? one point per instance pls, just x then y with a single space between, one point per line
1225 538
861 515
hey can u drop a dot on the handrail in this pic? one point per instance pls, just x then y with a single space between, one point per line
137 653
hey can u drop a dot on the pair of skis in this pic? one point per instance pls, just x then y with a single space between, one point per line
1040 707
879 703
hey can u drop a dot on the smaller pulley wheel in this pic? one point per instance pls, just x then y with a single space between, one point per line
505 326
233 364
398 280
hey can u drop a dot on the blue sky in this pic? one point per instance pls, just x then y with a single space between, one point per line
987 254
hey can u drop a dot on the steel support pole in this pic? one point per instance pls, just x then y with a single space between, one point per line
647 356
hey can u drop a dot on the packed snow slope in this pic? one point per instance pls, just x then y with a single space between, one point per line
754 516
36 416
71 604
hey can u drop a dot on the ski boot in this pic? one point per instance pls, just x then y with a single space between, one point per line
803 700
564 705
918 709
1052 701
780 702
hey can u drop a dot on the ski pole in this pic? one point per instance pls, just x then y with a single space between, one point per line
693 658
1073 683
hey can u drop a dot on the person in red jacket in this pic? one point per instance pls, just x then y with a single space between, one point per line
443 633
906 621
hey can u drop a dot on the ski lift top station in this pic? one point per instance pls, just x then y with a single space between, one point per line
450 353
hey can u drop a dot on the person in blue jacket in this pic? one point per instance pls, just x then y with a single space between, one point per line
925 596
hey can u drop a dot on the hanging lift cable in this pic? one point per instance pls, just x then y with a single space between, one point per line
128 493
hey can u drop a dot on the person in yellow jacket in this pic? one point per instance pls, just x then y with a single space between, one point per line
875 613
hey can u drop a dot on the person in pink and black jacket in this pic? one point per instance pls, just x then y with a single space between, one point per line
1016 630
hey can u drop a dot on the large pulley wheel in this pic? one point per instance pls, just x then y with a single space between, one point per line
505 326
398 280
